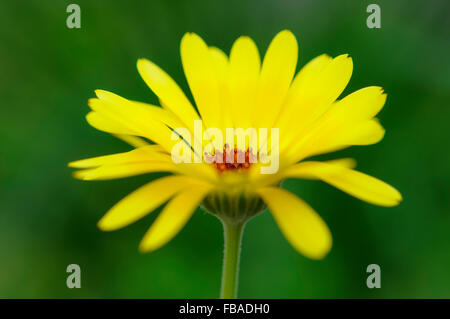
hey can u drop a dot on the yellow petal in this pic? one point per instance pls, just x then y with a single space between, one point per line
123 170
173 217
201 171
363 133
220 65
149 153
168 91
344 162
362 104
134 141
102 123
160 114
142 201
315 87
333 79
277 71
300 107
243 78
347 122
133 116
357 184
298 222
308 74
128 135
202 80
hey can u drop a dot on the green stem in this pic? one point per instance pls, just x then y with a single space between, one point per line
233 236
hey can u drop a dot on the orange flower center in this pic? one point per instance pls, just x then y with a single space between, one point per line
231 159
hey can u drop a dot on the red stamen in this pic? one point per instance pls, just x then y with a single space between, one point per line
231 159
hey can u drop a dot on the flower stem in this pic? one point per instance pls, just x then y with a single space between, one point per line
233 236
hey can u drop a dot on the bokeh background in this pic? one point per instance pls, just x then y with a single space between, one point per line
48 219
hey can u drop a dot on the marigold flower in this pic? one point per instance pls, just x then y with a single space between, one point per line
238 91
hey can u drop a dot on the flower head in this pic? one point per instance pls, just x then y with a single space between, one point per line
230 92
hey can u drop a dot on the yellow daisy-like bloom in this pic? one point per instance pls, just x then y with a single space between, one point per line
239 91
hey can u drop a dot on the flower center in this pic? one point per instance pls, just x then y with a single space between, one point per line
231 159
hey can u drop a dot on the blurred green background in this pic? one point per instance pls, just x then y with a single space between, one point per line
48 219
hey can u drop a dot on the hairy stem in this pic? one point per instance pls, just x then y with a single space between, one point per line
230 272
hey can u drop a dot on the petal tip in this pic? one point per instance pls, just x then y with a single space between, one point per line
319 252
188 36
143 62
92 100
345 58
398 199
146 247
77 175
288 36
101 94
286 32
83 175
320 255
102 224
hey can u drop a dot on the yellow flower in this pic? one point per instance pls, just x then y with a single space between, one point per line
238 91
